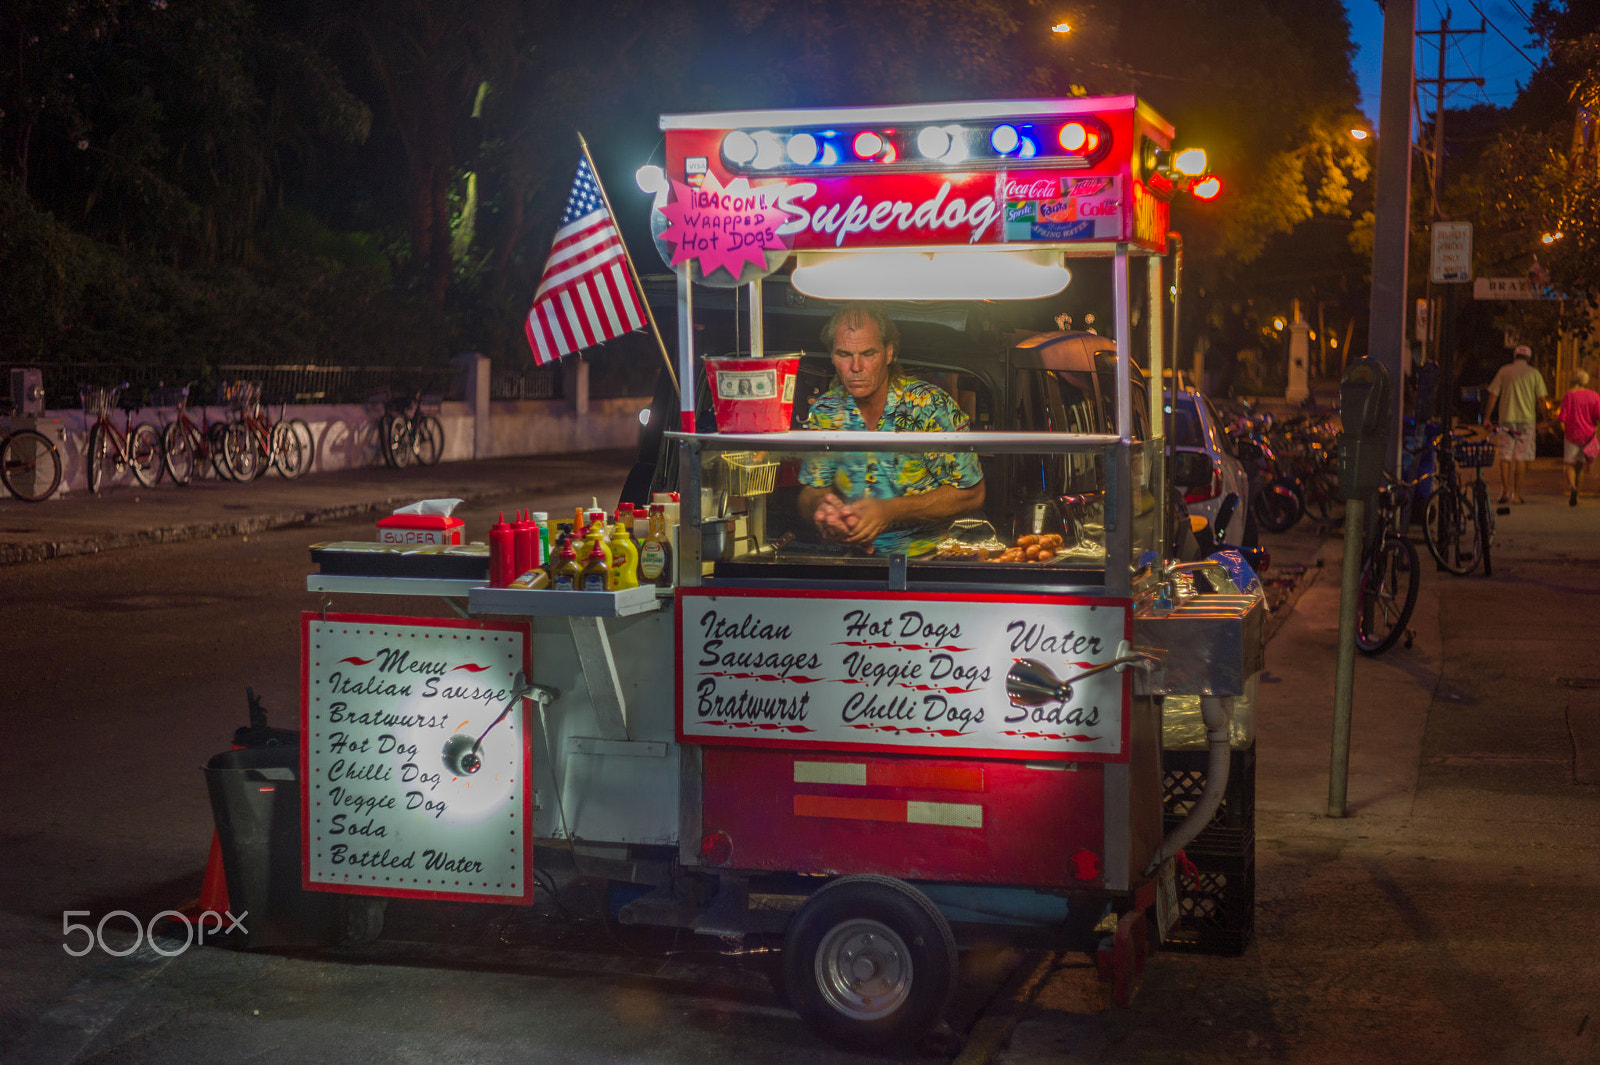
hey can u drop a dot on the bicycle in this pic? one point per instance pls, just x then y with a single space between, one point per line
1458 523
137 447
409 434
251 443
30 463
1390 573
188 446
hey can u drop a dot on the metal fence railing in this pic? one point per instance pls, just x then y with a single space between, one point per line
279 383
531 382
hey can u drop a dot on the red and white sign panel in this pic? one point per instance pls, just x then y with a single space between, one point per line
899 672
381 814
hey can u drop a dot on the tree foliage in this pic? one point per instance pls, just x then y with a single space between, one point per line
404 160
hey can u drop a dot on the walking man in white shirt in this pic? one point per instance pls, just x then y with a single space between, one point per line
1521 387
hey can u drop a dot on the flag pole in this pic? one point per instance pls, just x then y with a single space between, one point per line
633 271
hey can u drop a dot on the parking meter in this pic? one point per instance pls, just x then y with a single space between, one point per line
1364 444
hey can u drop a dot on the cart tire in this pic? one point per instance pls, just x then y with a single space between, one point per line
870 962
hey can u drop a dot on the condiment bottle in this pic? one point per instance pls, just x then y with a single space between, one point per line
566 572
542 521
596 515
525 538
578 524
595 534
597 571
502 554
624 556
655 552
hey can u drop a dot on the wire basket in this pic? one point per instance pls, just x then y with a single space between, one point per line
239 395
98 400
747 477
1471 454
170 396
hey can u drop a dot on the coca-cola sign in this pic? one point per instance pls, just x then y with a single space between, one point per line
888 210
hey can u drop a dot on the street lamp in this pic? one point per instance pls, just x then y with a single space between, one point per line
1359 134
1551 238
1061 28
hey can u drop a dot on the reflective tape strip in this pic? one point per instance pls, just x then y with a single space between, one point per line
944 777
851 809
954 814
830 773
950 814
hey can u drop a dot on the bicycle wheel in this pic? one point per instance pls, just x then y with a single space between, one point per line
1448 529
428 445
102 459
1386 596
397 441
144 454
287 457
240 453
216 453
1277 508
30 466
177 451
308 443
1484 522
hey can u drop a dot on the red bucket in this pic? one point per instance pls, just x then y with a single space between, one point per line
753 395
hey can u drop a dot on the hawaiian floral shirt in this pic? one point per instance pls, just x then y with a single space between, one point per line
912 407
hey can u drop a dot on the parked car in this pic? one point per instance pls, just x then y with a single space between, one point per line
1205 466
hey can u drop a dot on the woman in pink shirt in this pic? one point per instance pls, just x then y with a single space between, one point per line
1580 412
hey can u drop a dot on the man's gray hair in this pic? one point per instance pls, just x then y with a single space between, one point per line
1579 378
851 315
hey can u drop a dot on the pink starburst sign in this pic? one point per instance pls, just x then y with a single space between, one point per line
723 228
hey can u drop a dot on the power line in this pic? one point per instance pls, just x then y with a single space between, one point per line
1503 37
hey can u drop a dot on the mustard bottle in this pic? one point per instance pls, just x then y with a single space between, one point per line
624 558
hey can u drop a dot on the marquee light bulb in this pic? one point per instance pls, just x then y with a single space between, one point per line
1004 139
867 144
933 142
802 149
650 178
739 147
769 150
1207 188
1073 136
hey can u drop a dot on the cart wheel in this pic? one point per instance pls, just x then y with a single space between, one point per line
869 961
363 917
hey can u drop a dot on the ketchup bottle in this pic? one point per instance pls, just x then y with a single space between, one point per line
525 538
502 554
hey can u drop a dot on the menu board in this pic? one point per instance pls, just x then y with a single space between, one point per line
381 811
899 672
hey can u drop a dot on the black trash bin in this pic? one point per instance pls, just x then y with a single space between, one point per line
255 799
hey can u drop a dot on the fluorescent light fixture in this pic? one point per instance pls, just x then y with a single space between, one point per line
957 274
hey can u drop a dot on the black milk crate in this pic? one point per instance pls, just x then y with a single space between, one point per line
1216 909
1232 829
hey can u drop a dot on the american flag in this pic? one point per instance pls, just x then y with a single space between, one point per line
584 297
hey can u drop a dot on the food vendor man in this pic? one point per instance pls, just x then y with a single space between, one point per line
894 502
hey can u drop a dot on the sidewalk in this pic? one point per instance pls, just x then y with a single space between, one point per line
1449 915
129 515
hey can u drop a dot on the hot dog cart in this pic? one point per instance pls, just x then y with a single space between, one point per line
877 758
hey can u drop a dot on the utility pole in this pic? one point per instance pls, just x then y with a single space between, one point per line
1391 229
1442 320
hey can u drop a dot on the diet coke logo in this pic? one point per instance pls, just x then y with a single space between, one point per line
1040 189
1100 209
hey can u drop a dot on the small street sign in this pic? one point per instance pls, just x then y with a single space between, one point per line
1452 252
1511 288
